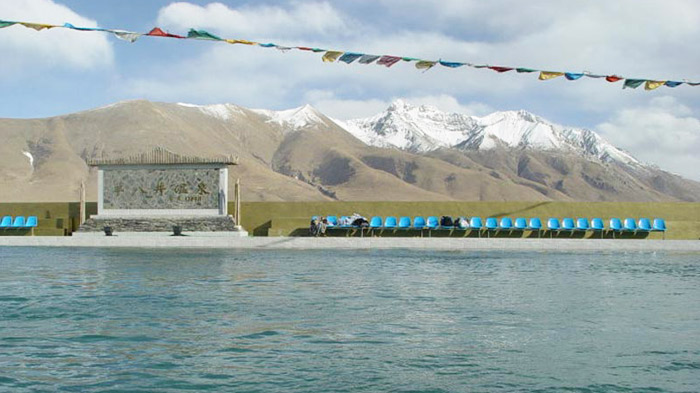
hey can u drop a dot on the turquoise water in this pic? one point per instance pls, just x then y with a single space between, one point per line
92 320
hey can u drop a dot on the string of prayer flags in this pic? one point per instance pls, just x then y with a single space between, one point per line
331 56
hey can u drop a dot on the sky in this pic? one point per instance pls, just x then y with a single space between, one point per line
59 71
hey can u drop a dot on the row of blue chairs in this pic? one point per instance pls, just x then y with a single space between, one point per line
19 222
507 223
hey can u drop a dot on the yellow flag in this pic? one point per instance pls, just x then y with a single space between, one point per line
546 75
244 42
651 85
36 26
425 64
331 56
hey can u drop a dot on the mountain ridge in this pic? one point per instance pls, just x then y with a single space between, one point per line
303 155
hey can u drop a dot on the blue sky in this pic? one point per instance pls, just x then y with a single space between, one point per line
59 71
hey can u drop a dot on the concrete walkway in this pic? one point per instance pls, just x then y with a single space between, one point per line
446 244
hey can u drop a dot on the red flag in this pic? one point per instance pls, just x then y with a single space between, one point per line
613 78
500 69
388 60
157 32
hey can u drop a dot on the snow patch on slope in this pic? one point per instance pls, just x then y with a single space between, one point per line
31 158
219 111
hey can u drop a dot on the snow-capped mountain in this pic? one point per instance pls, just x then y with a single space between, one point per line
423 128
302 155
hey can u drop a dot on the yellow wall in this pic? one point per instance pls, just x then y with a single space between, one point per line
292 218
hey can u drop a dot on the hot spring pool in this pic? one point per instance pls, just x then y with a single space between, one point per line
108 320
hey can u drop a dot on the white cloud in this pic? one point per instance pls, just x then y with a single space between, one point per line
664 132
27 49
255 22
344 109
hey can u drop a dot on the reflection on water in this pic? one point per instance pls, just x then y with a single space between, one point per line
358 321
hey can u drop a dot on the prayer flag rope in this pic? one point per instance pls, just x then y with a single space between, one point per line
333 56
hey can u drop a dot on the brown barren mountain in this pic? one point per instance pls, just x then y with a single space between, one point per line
310 160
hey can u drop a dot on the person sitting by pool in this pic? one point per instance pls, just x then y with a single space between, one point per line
358 220
318 226
446 221
461 222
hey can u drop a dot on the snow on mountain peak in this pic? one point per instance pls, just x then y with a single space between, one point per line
425 128
294 118
219 111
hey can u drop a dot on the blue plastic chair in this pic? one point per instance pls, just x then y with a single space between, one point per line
506 223
32 222
375 222
19 222
390 222
644 225
6 222
597 224
419 222
567 224
582 224
659 225
332 221
404 222
520 224
491 223
630 225
433 222
553 224
476 223
615 225
535 224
